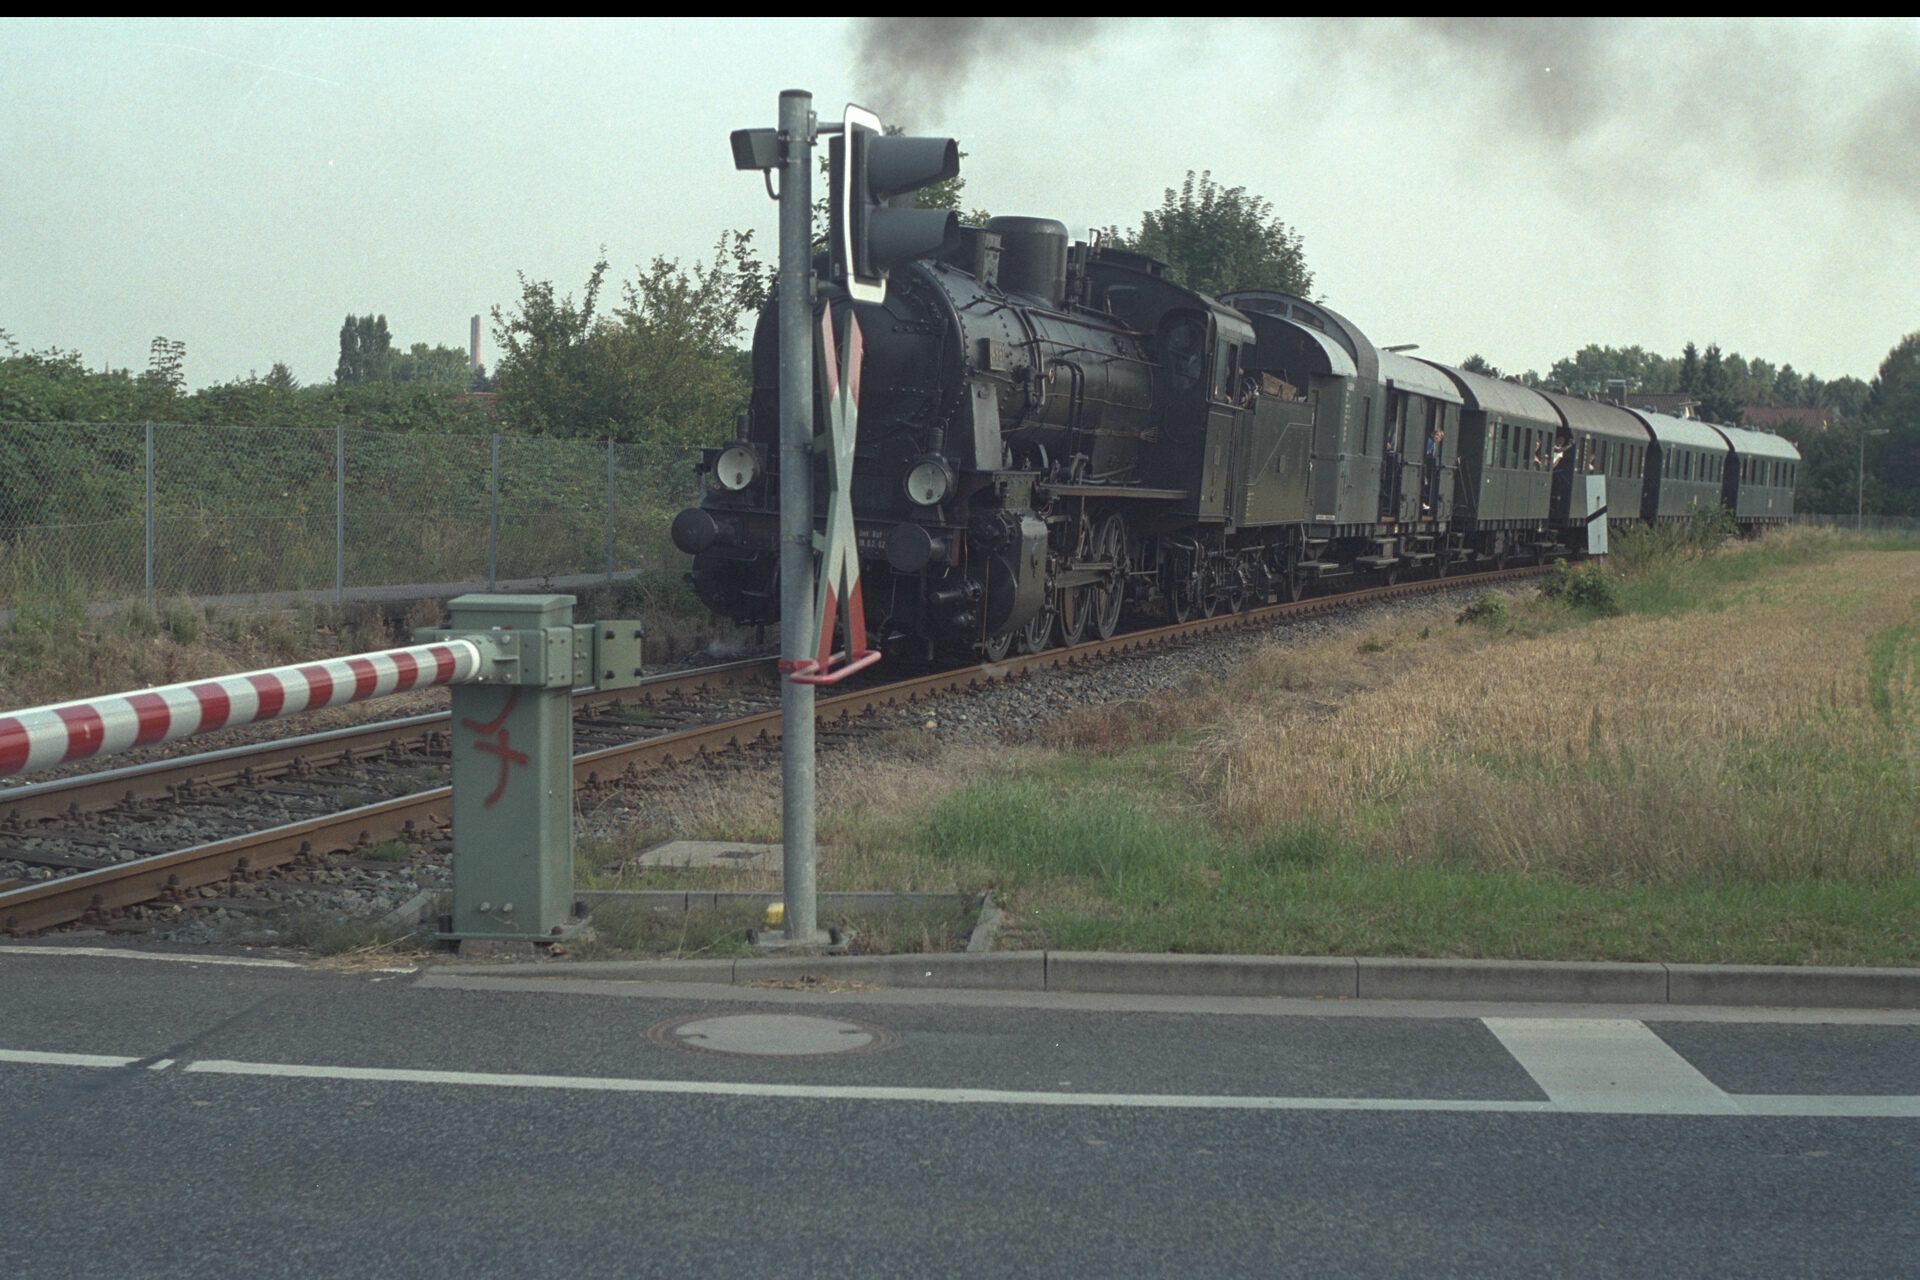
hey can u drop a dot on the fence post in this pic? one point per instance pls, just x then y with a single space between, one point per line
493 519
339 512
150 513
609 511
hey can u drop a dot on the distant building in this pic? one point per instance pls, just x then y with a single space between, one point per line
1766 417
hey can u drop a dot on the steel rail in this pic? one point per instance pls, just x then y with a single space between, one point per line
256 762
167 876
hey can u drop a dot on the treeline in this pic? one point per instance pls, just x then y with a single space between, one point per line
1725 383
416 392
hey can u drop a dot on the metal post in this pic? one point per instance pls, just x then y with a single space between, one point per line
150 514
339 512
609 511
796 508
493 519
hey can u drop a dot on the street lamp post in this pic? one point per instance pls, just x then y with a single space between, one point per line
1860 482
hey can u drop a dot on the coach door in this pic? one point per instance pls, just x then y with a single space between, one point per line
1228 398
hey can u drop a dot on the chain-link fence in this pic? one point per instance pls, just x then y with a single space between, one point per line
1908 526
118 512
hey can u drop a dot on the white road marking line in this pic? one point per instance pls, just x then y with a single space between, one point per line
1598 1064
1611 1102
1892 1107
113 953
29 1057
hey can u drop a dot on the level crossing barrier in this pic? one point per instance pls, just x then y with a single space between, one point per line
511 662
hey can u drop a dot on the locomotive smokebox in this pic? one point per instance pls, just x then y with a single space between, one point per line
1033 257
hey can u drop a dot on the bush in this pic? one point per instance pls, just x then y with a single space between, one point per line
1586 586
1490 611
1645 549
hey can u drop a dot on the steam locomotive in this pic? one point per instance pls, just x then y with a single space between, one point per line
1052 435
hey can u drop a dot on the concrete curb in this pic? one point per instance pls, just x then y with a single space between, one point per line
1309 977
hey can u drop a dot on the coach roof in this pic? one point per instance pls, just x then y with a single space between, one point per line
1758 444
1509 399
1418 377
1597 417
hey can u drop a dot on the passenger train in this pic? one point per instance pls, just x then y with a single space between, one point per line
1052 435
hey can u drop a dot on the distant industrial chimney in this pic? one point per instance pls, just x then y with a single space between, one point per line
473 360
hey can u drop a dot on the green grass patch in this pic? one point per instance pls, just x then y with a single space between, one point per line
1893 666
1337 901
1676 569
1119 860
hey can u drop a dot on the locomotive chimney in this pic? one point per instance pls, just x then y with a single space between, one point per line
1033 257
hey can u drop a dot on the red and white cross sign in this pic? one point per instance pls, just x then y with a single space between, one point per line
839 552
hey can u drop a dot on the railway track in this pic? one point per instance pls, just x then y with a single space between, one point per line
93 894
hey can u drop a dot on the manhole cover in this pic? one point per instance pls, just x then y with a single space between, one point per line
770 1035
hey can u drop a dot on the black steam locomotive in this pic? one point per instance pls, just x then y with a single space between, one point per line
1051 435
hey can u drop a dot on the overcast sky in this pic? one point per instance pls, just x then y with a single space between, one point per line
1515 188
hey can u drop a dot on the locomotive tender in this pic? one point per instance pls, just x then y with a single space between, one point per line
1052 434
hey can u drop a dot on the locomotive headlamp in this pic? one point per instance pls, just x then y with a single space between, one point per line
737 467
929 481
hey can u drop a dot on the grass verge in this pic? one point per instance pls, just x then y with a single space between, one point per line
1711 759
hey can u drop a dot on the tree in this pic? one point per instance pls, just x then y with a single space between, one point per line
663 365
1786 386
166 375
1717 401
1593 367
1690 368
1476 363
366 351
1846 396
433 365
1894 407
1216 239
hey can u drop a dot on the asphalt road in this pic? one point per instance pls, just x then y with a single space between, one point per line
187 1119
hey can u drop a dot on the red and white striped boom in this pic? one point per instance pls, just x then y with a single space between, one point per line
67 731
